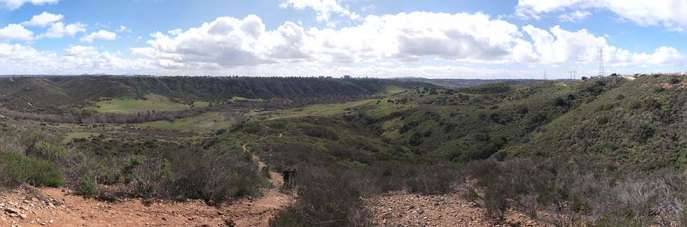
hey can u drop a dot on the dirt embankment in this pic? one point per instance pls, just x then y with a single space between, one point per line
57 207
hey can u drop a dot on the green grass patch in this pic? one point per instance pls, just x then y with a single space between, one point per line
17 169
205 122
319 110
149 103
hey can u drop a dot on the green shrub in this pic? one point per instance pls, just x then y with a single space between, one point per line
17 169
87 186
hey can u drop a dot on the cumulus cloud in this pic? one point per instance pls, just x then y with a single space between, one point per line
59 30
15 32
411 44
99 35
668 13
24 59
224 42
325 9
15 4
44 19
382 42
557 46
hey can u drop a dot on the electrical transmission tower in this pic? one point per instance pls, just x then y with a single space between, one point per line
602 67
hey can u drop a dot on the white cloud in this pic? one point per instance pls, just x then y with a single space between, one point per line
558 46
44 19
15 4
574 16
224 42
380 44
668 13
228 42
59 30
404 44
416 35
15 32
99 35
325 9
24 59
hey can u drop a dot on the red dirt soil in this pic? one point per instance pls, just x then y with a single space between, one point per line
55 207
451 210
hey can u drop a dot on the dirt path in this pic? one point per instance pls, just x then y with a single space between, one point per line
276 179
57 207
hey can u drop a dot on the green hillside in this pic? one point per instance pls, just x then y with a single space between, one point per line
599 152
63 94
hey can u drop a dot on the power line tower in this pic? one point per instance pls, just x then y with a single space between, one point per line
602 67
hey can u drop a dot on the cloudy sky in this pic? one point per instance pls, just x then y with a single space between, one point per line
380 38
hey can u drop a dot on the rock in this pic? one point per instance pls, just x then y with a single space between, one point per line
229 223
11 211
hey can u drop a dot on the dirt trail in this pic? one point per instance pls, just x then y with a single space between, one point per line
276 179
57 207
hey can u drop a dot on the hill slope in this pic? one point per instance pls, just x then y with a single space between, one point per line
59 94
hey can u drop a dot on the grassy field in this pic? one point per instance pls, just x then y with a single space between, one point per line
150 103
319 110
204 122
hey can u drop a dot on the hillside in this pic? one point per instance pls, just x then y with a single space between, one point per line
604 151
60 94
464 83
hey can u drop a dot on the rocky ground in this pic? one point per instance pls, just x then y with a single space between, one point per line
403 209
57 207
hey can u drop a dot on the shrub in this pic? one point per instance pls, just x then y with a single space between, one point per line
327 196
17 169
87 186
320 132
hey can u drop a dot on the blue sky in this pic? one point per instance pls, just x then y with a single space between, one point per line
381 38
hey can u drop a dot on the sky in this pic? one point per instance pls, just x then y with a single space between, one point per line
486 39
